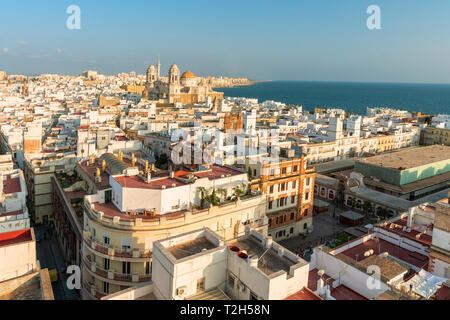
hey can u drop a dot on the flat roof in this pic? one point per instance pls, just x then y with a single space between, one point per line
410 158
216 172
11 185
304 294
398 225
379 246
352 215
341 292
271 262
190 248
389 268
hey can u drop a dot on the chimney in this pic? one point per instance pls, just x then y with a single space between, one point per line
172 174
146 166
133 160
103 165
92 160
98 177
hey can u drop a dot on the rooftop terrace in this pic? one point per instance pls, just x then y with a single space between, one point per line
269 260
191 247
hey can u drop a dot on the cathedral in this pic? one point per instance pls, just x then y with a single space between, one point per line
186 88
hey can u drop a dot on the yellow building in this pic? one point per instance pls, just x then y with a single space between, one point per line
432 135
385 142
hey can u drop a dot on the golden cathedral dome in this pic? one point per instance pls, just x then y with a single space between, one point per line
188 74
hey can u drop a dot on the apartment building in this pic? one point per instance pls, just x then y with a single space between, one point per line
141 206
201 265
289 187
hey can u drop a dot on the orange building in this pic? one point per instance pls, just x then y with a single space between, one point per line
289 186
233 121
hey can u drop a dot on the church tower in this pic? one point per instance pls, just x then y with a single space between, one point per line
174 74
174 83
151 75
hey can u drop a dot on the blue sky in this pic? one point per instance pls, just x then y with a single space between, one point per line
316 40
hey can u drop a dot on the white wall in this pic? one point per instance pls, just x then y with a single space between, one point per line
17 260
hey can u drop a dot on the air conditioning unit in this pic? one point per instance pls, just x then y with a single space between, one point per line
181 291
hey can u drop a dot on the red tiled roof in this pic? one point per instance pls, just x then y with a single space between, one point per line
15 237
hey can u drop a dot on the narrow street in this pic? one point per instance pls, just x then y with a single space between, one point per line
51 257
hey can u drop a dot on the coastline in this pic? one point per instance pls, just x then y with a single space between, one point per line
249 83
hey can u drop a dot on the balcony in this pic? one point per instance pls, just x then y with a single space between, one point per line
112 275
116 252
92 291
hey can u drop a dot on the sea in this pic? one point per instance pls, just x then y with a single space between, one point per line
354 97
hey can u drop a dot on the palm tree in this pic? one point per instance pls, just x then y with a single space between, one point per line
238 191
223 192
203 196
213 199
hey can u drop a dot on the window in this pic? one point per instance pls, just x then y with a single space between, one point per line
308 181
283 171
270 204
292 199
126 267
106 263
270 222
106 239
272 172
307 196
305 226
106 287
271 189
201 285
295 168
292 230
294 184
126 244
147 267
292 216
